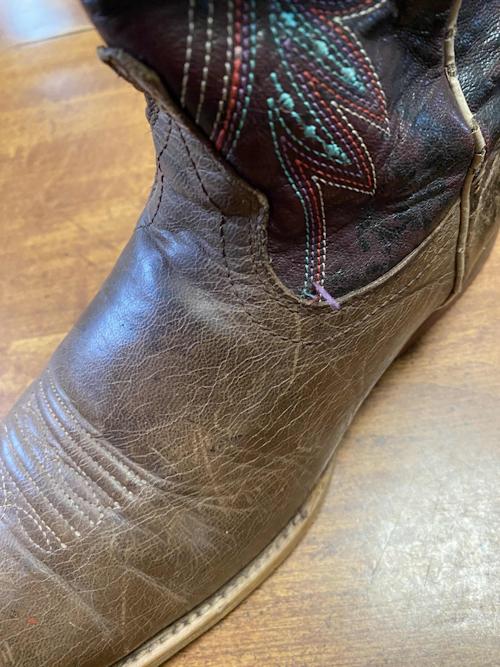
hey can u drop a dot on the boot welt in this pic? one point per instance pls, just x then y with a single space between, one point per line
176 636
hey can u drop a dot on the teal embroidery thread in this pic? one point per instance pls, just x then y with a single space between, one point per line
330 76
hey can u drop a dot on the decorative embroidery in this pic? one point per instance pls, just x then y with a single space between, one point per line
250 48
227 68
239 70
189 51
328 79
326 93
243 67
208 56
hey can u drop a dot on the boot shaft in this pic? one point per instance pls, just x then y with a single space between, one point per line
340 112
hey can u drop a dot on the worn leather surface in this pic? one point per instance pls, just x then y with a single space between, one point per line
416 139
477 47
188 414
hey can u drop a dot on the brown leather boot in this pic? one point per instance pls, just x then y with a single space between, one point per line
180 439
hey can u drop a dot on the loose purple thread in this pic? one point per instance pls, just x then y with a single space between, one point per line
328 297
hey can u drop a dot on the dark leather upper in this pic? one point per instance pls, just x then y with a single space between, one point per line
196 402
380 95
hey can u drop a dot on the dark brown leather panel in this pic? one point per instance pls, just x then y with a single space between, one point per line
484 212
477 44
405 122
477 47
189 413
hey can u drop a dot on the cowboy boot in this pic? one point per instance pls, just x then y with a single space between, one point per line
181 437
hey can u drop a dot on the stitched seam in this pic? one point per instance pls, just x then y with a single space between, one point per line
242 303
130 472
346 14
227 70
33 516
250 40
86 455
223 244
235 88
373 72
75 467
162 179
35 484
340 332
189 51
208 57
264 273
60 464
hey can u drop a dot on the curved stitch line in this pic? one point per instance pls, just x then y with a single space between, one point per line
242 303
377 120
93 461
130 471
240 65
162 179
249 87
353 147
356 48
228 124
140 481
268 281
346 14
372 177
366 66
208 57
33 481
189 51
376 79
76 468
33 516
60 464
290 76
227 69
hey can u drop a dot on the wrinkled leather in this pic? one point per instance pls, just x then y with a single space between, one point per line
419 166
188 414
477 46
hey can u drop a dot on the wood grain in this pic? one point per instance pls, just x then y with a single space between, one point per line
402 567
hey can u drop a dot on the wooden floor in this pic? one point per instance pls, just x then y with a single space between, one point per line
402 568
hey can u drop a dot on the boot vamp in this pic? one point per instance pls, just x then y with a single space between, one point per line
185 418
135 468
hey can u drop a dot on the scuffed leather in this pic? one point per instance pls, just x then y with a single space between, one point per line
477 47
419 166
188 414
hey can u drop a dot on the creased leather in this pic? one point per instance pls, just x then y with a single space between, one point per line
419 163
477 45
187 415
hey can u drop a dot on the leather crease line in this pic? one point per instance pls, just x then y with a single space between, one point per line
479 146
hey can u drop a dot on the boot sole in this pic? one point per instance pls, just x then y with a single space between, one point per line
172 639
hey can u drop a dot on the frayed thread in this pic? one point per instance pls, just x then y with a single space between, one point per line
326 296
